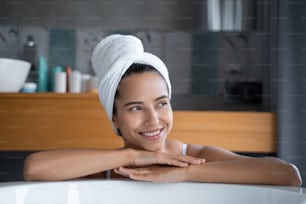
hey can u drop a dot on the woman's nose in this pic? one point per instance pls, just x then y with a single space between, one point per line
152 116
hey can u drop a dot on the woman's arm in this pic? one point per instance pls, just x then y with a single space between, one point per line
222 166
71 163
227 167
270 171
75 163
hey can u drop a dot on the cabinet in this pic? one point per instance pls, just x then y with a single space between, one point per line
43 121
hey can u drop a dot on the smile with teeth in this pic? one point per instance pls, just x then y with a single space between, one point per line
152 134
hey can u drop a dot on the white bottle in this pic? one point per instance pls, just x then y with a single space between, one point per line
75 82
60 82
85 82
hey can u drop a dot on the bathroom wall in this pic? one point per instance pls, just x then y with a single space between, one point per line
159 24
290 83
199 61
63 47
109 15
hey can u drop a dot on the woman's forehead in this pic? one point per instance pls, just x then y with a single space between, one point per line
143 84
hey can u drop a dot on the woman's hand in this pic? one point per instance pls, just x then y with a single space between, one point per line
154 173
174 172
144 158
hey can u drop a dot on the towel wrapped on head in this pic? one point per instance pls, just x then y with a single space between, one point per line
112 57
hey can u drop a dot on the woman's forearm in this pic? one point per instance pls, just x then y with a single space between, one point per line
69 164
247 170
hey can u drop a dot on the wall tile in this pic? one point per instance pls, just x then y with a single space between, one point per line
177 48
62 47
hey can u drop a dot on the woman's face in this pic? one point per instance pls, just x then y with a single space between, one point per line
144 113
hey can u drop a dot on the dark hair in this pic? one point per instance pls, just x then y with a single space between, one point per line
135 68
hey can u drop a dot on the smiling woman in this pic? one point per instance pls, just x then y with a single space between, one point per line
135 90
143 117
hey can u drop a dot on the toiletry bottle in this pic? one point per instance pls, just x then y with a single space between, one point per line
68 71
75 82
85 82
60 82
54 70
42 75
29 87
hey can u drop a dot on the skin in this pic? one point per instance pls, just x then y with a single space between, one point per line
140 110
144 117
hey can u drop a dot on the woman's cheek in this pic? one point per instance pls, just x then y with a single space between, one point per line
133 120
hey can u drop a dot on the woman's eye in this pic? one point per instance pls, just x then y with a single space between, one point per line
135 108
162 104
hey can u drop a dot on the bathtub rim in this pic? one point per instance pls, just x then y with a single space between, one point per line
13 184
71 192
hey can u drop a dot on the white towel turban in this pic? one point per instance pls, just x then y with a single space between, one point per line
112 57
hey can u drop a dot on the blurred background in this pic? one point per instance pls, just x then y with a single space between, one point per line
229 55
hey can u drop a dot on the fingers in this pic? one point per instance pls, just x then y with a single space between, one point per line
155 173
126 172
143 174
179 160
121 172
142 177
174 162
142 158
191 160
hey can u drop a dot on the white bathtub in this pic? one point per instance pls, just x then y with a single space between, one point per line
123 191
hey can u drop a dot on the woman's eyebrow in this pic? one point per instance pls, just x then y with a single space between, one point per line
161 97
133 103
140 102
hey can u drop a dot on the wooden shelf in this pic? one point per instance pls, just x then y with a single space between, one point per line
43 121
49 95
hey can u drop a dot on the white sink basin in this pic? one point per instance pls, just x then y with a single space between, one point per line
13 74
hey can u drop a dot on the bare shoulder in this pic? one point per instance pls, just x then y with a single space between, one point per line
174 146
211 153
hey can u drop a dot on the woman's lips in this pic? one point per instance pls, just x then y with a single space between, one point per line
152 135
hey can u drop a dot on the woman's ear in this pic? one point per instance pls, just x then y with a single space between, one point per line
115 120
